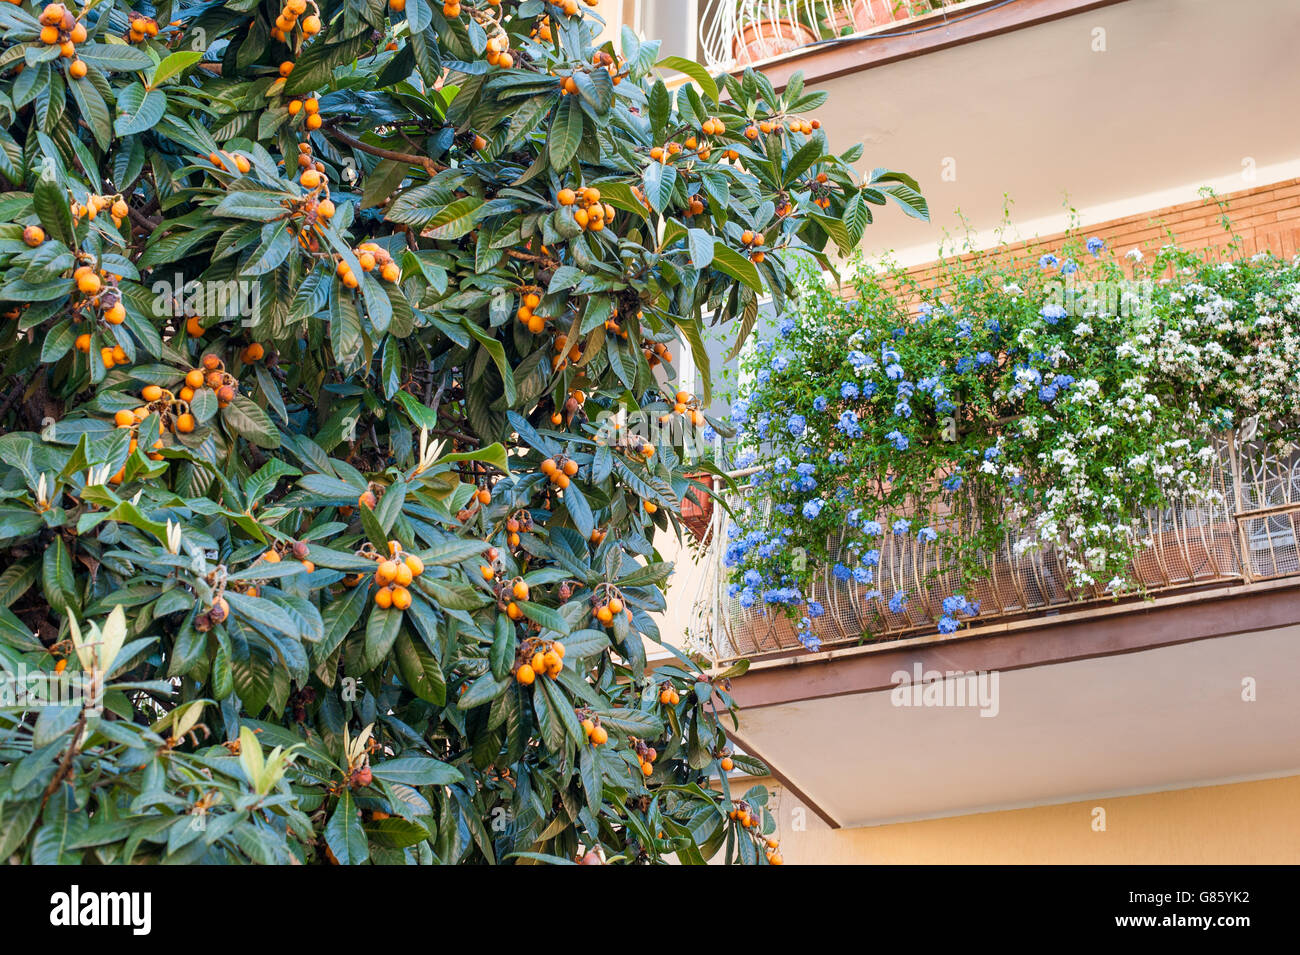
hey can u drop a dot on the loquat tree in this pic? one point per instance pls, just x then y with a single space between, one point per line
327 329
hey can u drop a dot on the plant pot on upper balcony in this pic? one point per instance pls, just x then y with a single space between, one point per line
843 18
766 38
696 514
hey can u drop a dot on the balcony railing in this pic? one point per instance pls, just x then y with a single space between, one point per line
1245 531
738 33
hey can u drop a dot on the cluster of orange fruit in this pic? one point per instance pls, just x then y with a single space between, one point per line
370 255
588 211
142 27
668 695
241 163
394 575
498 51
684 403
521 521
613 327
309 105
645 754
609 602
560 471
596 734
102 289
753 240
542 30
288 19
158 401
60 28
211 375
572 404
93 205
33 236
509 594
822 201
111 357
612 66
450 9
298 550
560 359
654 352
536 323
538 657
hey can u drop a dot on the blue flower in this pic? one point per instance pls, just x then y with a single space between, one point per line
1048 261
898 439
1069 267
964 364
837 458
786 327
983 358
1095 245
1047 394
902 410
841 572
815 609
748 598
948 625
796 425
898 601
868 389
849 389
955 604
819 403
848 423
872 529
1052 313
861 361
894 371
901 526
753 578
780 363
872 557
764 375
813 508
953 483
927 535
810 640
863 575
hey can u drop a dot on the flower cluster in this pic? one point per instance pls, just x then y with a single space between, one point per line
1048 403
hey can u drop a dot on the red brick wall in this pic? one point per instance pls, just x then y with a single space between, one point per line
1266 219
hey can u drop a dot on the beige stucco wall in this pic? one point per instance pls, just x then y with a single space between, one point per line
1241 823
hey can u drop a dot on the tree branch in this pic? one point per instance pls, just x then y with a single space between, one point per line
431 167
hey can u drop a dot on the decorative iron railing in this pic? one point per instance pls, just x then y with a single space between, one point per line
1245 530
741 32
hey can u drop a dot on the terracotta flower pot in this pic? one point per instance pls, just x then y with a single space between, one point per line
696 515
868 14
764 39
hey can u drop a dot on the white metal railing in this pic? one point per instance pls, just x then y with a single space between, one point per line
1245 530
737 33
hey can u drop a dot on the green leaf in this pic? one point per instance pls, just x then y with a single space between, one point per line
695 71
138 109
344 835
566 132
728 260
417 771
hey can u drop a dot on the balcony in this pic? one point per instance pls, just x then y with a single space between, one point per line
1246 533
1095 696
738 33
